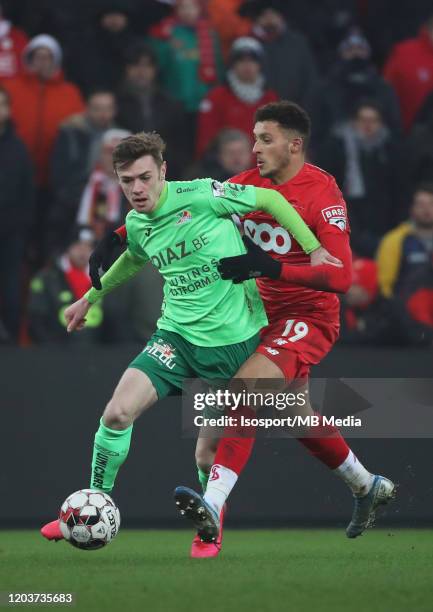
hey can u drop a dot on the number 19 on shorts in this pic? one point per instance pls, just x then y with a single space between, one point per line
295 329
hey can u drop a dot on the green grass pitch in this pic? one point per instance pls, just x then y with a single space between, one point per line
263 571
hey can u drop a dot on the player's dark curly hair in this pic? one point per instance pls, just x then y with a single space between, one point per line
288 115
138 145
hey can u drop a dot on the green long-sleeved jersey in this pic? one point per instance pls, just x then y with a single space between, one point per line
188 232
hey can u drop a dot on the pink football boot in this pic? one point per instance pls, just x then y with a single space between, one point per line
204 550
51 531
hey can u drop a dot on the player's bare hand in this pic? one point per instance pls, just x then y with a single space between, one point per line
322 256
75 315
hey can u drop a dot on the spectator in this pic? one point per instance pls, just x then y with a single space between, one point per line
16 209
235 103
41 100
288 62
12 44
364 157
352 79
102 204
409 69
405 270
229 154
143 106
129 315
189 54
227 22
55 288
75 153
98 61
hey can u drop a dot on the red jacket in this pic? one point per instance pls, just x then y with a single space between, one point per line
222 109
227 22
12 44
38 108
410 70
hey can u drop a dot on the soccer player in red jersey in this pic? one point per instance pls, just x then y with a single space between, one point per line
302 309
303 313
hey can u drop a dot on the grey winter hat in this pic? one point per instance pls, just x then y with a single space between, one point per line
44 40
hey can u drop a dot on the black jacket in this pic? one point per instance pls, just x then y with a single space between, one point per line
336 97
17 190
381 207
294 77
69 172
420 152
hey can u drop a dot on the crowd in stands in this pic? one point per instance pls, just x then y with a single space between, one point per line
76 77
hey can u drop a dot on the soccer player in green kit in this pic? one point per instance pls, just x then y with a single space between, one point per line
208 327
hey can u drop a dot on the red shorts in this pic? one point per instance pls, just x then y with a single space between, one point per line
296 344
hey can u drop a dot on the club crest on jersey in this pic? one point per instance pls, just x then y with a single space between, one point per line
335 215
183 217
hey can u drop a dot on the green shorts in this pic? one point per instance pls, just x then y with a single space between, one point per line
168 359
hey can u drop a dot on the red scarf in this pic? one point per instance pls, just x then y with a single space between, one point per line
78 281
207 68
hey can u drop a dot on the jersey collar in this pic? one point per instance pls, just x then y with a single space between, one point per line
162 199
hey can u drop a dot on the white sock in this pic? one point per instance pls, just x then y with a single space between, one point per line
355 475
221 482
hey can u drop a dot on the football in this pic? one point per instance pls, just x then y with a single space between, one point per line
89 519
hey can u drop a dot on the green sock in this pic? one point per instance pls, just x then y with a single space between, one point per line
203 478
109 452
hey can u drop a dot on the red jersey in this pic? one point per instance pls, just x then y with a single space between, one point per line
318 200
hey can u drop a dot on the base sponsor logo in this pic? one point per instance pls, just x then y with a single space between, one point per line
335 215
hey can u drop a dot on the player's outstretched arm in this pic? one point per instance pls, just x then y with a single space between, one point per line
122 270
275 204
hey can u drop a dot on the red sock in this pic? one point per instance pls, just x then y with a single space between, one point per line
234 452
329 447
